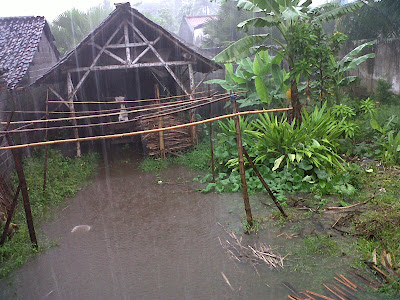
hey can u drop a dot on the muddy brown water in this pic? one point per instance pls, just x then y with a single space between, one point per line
147 241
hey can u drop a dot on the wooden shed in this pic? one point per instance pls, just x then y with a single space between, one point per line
126 59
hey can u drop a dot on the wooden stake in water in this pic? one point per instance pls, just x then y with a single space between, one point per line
241 164
160 122
46 147
271 194
212 146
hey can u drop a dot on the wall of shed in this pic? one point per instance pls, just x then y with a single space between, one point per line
385 65
43 60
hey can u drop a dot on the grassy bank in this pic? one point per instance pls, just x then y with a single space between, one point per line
65 177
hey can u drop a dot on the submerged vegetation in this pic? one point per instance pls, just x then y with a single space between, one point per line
64 178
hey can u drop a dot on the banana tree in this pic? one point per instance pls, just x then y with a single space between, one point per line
262 79
348 63
282 14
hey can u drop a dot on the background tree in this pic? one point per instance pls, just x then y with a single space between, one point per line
286 16
70 27
378 19
223 31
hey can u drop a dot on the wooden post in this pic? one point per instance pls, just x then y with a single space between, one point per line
22 182
241 165
278 205
127 49
160 122
46 147
211 144
192 111
10 214
72 110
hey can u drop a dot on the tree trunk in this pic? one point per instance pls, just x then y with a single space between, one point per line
295 101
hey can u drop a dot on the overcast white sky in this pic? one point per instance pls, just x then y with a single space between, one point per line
50 9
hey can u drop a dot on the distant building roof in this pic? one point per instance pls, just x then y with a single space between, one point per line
19 39
198 21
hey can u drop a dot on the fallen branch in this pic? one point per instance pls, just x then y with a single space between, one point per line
350 206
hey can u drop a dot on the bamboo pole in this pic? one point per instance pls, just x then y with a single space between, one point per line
160 124
129 111
72 109
47 139
129 101
239 143
9 217
22 183
192 111
142 117
119 135
278 205
212 146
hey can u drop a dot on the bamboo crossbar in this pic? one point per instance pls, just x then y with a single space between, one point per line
128 134
155 105
127 101
126 110
161 113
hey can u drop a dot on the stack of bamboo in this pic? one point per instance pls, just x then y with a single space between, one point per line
174 140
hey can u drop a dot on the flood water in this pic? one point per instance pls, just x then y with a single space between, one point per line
147 241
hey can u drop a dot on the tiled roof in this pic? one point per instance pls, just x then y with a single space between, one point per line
19 39
199 20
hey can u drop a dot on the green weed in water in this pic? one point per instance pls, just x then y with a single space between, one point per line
154 164
320 245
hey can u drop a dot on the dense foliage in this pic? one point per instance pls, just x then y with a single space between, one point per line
379 19
73 26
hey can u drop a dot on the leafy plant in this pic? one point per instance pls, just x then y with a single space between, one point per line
262 79
285 16
383 93
311 144
368 106
348 63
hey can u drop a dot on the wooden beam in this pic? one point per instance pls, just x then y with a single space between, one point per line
72 94
144 52
109 53
70 87
201 81
159 57
160 123
131 66
127 49
180 45
59 97
130 45
192 111
24 190
242 172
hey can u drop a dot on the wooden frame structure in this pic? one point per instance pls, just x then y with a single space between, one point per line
126 42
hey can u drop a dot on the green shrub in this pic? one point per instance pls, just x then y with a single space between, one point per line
154 164
197 158
382 92
312 143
